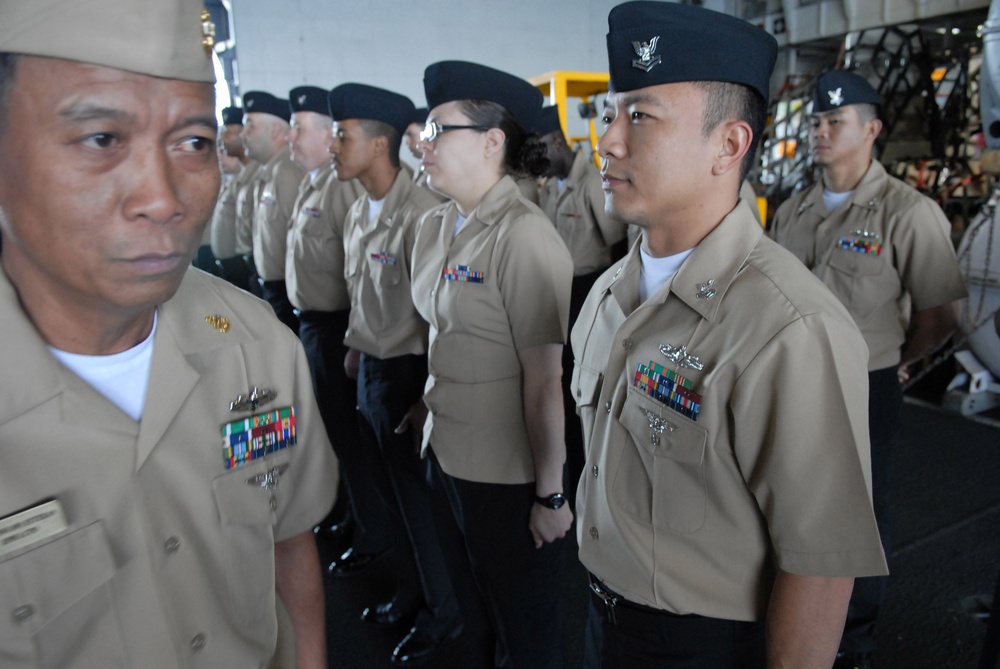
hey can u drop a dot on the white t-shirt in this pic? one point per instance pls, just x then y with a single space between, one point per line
374 209
834 200
120 377
657 271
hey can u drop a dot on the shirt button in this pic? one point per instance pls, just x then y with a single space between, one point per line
607 407
274 503
172 544
23 614
594 534
595 470
579 393
198 642
626 343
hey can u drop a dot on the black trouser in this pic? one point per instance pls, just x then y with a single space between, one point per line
575 456
885 402
519 583
638 637
322 335
387 389
236 271
277 296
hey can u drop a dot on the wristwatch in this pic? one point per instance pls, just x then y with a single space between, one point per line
553 501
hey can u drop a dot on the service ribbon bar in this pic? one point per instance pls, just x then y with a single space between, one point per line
462 273
668 388
254 437
860 245
384 258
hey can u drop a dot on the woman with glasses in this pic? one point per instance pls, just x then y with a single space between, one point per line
492 277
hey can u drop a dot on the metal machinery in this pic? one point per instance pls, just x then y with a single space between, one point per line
976 388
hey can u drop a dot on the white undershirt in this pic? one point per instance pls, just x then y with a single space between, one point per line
834 200
374 209
313 174
657 271
561 183
120 377
459 222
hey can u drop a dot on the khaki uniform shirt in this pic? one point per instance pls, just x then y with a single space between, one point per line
384 322
529 188
166 559
500 286
246 199
223 226
314 264
272 216
578 214
726 432
886 247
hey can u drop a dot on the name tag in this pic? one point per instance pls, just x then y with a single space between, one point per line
31 526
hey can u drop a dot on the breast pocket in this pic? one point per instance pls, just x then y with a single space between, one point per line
863 282
670 453
248 520
57 609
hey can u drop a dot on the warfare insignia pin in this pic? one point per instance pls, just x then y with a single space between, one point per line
255 398
646 61
269 479
836 97
680 356
706 291
220 323
207 32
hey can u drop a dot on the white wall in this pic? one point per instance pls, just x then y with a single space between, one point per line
281 44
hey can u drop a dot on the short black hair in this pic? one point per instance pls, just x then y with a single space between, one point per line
8 72
725 101
524 154
394 139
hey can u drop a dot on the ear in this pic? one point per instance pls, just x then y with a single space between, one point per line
495 139
381 145
873 128
735 139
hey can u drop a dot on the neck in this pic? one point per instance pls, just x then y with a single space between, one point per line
684 229
475 192
845 176
378 180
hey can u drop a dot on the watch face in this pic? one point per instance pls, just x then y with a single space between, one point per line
556 501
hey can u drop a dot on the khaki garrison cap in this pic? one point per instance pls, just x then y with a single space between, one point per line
161 38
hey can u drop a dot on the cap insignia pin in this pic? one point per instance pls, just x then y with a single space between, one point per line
706 291
207 32
220 323
836 96
302 99
679 356
646 61
253 400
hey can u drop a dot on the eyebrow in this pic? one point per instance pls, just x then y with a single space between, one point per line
83 112
636 98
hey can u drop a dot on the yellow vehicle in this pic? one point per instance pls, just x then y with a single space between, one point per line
560 87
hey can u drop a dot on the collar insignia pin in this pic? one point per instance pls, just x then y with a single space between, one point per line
220 323
836 96
646 60
706 291
679 356
207 32
256 398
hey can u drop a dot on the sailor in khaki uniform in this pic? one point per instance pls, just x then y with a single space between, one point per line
492 278
265 131
885 251
721 387
246 200
230 248
388 344
163 460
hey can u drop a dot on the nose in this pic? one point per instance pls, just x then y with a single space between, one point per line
153 190
610 144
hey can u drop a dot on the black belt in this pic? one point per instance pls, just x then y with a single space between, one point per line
310 316
618 610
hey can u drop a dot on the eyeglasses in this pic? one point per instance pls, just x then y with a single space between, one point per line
433 129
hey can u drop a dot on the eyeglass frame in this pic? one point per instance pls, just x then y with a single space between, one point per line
432 130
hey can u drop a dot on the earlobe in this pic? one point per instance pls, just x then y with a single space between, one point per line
495 139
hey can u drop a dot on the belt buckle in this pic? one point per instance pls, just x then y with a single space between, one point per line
610 600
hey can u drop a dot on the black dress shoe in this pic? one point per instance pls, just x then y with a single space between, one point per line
387 614
351 563
418 646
